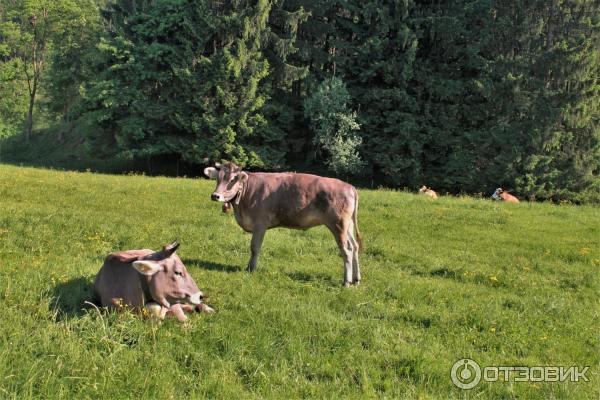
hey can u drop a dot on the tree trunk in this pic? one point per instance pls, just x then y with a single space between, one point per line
29 122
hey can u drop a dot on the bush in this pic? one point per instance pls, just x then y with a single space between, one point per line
335 126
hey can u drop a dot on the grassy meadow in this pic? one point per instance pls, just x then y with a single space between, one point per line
442 280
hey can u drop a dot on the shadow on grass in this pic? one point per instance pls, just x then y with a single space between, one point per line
69 297
441 271
312 277
446 272
211 266
63 147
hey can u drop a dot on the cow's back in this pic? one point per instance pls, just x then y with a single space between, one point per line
509 198
119 280
297 200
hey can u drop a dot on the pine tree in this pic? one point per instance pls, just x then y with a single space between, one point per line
283 108
561 63
184 78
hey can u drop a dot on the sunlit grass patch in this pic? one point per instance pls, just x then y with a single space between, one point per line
442 280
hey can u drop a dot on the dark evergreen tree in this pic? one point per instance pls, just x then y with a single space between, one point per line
283 108
183 78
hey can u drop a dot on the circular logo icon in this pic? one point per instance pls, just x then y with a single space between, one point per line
465 374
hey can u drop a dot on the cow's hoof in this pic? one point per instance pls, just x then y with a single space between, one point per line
250 269
356 283
346 284
207 309
204 308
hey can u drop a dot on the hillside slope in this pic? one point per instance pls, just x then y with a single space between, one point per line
442 280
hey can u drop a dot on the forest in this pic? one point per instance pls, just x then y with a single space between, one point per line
463 96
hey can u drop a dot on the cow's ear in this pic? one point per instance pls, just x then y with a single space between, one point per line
243 177
147 267
211 172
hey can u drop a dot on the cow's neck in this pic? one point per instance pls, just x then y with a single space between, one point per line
238 200
235 200
241 202
144 283
242 207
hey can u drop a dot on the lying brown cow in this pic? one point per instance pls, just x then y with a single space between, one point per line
428 192
263 201
500 194
144 278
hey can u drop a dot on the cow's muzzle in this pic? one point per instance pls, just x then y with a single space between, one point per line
196 298
217 197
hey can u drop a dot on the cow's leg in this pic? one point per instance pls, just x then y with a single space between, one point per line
205 308
347 257
355 267
177 311
340 232
255 245
188 308
355 263
199 308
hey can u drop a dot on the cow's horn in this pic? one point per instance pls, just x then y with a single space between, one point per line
171 247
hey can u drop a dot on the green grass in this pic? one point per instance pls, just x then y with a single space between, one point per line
442 280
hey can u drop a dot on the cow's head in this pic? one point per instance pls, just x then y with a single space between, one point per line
168 279
497 193
423 189
230 180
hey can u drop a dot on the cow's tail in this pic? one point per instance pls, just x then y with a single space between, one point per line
355 221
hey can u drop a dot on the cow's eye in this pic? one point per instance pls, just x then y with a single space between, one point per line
179 273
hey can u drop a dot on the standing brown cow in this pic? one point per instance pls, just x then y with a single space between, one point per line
263 201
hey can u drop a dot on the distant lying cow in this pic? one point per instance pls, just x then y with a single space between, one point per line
501 195
157 281
428 192
263 201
